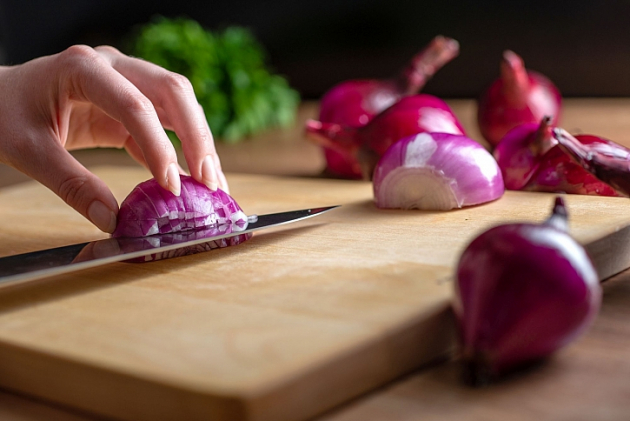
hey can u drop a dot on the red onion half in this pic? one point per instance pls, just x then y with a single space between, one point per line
523 291
355 102
411 115
531 159
518 96
150 209
436 171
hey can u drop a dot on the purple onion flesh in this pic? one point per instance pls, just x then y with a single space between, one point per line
436 171
198 211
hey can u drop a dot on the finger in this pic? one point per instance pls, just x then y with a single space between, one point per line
135 152
55 168
174 94
88 77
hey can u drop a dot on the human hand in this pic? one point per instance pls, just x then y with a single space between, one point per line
98 97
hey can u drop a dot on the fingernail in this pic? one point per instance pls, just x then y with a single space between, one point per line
102 216
208 173
173 181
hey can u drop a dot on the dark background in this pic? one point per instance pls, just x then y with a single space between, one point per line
583 46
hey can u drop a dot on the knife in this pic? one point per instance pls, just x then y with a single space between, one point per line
56 261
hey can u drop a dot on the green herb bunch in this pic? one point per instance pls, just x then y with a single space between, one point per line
228 71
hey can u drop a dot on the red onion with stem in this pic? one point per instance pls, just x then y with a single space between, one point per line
605 159
150 209
436 171
411 115
523 291
518 96
531 159
355 102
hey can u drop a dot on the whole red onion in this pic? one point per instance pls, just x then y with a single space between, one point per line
436 171
355 102
523 291
518 96
411 115
605 159
531 159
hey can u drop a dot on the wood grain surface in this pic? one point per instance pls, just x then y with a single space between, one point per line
291 323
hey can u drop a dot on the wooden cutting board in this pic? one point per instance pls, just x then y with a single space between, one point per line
296 320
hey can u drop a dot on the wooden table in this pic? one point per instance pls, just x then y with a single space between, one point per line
585 381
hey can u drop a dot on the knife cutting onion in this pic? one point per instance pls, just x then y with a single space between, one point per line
523 291
518 96
355 102
150 209
436 171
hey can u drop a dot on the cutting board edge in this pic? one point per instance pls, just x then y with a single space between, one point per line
399 353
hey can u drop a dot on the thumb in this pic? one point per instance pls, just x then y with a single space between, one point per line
58 170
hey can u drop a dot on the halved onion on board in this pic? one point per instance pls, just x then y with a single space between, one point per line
436 171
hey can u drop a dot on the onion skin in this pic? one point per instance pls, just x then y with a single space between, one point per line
518 96
522 292
355 102
531 159
603 158
436 171
150 209
411 115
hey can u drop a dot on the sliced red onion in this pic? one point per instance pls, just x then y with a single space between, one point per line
142 243
411 115
355 102
518 96
150 209
602 158
436 171
523 291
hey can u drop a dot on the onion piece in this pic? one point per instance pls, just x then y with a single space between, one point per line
605 159
531 159
355 102
523 291
150 209
518 96
411 115
436 171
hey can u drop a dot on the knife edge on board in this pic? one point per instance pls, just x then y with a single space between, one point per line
66 259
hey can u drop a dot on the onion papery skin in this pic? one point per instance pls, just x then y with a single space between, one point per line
354 103
411 115
436 171
558 173
150 209
518 96
601 158
531 159
522 292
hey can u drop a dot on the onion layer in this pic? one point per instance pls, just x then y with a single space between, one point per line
150 209
523 291
436 171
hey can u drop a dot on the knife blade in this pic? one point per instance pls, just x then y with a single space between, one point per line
60 260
